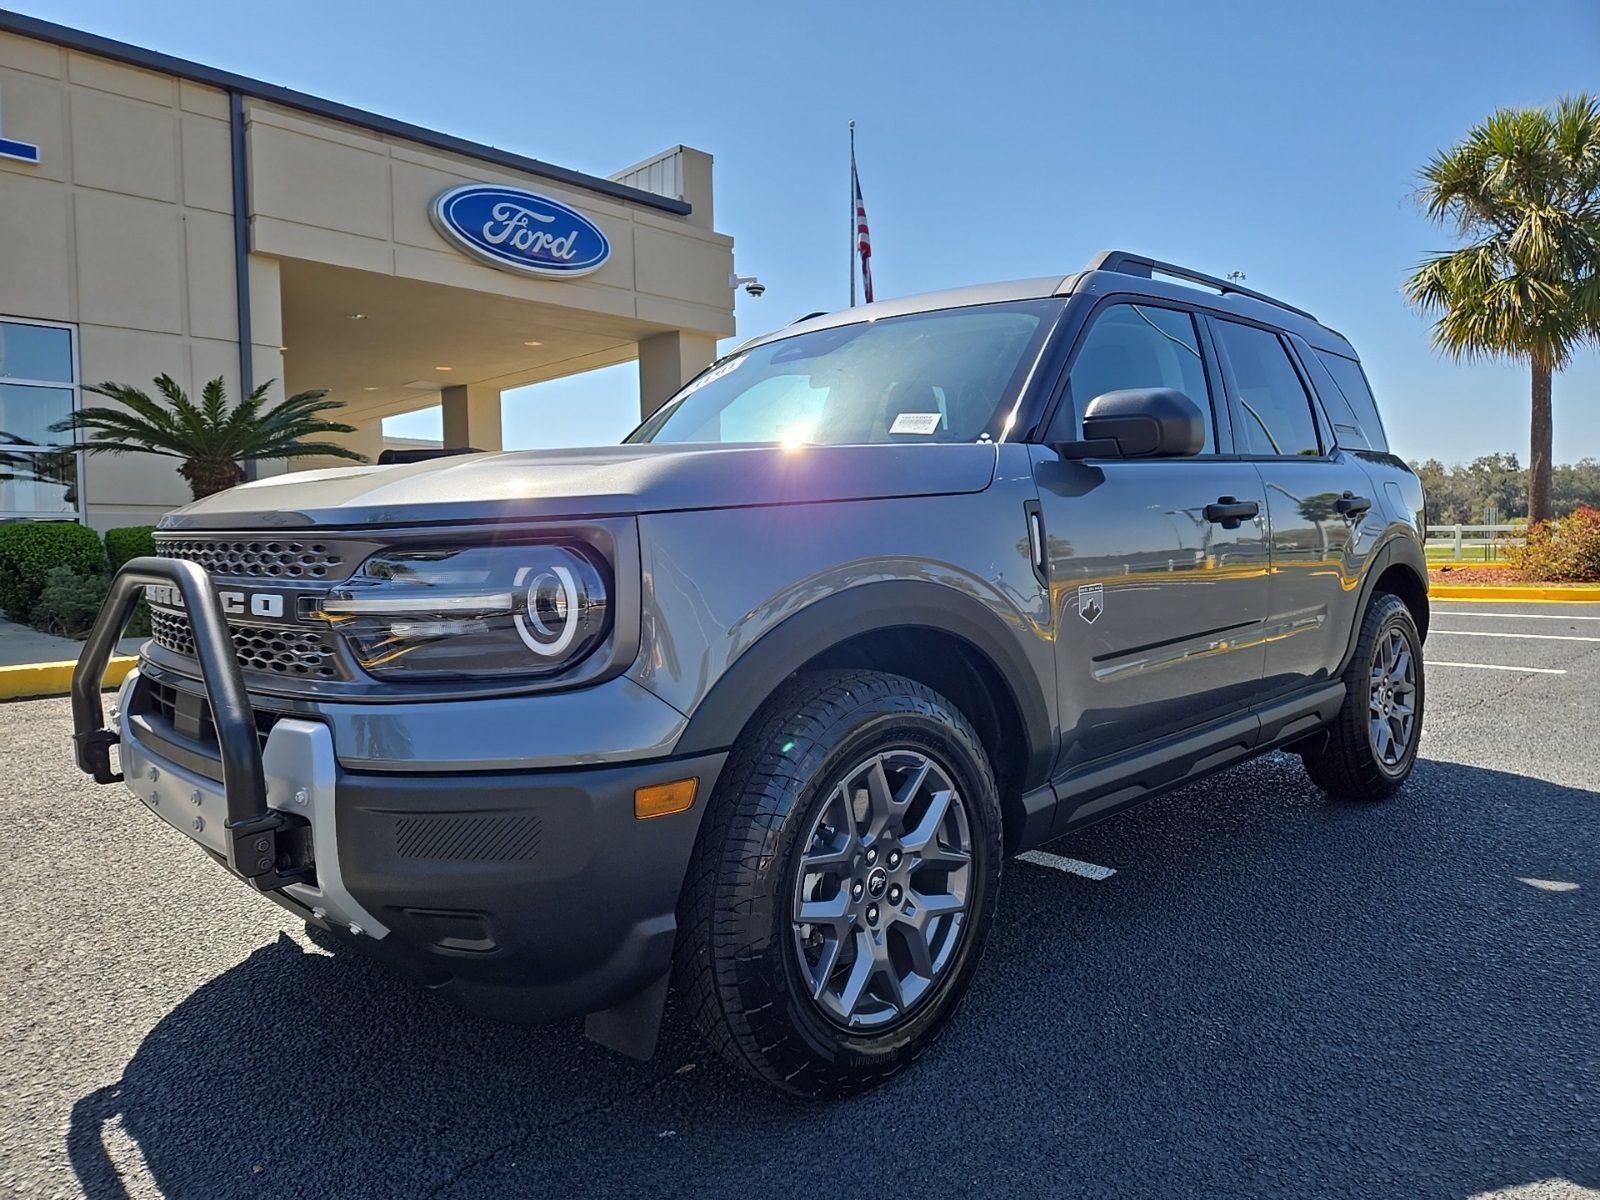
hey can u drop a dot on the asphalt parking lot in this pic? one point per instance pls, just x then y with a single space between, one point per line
1274 994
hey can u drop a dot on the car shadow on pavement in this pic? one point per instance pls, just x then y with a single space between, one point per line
1276 994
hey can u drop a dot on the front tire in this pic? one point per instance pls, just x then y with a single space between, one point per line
843 883
1372 744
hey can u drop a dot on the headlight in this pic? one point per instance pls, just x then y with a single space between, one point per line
479 612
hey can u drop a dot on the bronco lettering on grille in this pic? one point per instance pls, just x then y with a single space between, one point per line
234 604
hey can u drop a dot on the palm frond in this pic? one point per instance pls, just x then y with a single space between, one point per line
1523 189
131 398
211 431
311 450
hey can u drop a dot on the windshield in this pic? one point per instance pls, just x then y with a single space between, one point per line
947 376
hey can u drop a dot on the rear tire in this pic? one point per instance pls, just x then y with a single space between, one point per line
843 883
1372 744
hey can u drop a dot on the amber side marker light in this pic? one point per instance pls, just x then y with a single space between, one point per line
664 799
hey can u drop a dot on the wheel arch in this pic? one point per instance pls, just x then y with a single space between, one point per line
941 637
1400 568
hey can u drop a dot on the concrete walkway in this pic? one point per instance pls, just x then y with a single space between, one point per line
21 646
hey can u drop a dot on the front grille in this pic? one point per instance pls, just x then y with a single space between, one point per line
303 653
261 559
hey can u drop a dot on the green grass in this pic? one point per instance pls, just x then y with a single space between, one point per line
1447 553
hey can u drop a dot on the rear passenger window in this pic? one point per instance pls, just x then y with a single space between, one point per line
1276 412
1352 381
1135 346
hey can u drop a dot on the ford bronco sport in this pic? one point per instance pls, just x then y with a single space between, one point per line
760 700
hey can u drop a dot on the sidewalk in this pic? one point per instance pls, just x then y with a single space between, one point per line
23 647
40 664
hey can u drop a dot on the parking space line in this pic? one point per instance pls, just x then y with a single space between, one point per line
1434 662
1531 637
1072 866
1505 616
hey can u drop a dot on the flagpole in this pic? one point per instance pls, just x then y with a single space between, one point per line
852 243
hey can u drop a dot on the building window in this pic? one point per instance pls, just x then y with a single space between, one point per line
38 387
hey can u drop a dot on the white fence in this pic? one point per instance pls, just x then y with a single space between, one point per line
1490 538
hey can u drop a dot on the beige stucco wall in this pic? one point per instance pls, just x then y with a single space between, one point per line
125 229
335 194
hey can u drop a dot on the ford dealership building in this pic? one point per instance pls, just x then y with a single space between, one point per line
157 216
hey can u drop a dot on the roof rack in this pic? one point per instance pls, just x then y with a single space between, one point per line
1124 263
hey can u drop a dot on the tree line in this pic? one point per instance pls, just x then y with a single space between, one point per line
1464 493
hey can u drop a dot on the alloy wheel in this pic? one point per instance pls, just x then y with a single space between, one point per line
882 890
1393 698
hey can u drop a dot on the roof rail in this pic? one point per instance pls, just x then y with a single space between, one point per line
1124 263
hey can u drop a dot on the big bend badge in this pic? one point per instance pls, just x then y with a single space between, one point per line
1091 601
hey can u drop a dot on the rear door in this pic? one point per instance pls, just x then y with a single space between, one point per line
1317 502
1157 568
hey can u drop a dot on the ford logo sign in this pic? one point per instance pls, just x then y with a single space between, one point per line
520 231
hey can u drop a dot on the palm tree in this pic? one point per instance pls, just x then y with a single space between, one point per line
211 439
1523 189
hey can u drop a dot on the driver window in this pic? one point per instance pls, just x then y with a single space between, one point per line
1135 346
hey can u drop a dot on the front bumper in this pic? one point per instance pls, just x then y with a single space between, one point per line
524 895
298 766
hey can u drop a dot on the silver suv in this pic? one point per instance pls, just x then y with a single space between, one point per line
760 701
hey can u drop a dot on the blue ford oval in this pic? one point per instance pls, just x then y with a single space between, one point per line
522 231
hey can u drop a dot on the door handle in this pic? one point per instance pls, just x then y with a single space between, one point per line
1228 512
1352 506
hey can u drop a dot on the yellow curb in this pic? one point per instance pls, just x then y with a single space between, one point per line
1505 592
54 679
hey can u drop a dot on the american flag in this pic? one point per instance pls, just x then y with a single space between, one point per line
863 238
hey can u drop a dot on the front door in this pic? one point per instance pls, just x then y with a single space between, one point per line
1158 568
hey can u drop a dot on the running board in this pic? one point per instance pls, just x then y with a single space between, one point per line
1104 788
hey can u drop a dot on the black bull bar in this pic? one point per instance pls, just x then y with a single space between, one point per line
252 828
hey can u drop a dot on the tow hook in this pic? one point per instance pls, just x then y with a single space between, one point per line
94 754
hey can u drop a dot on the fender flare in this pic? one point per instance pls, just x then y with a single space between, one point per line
891 604
1396 550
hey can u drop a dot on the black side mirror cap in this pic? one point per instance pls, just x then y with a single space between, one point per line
1139 423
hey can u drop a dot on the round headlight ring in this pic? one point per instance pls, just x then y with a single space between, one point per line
552 595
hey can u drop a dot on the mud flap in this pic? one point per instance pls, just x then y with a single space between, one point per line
631 1027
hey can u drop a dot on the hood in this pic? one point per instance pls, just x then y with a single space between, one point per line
613 481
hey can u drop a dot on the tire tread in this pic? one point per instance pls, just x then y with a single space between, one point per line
1345 766
712 928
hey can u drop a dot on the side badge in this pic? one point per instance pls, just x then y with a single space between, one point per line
1091 601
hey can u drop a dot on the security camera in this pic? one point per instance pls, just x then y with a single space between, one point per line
749 282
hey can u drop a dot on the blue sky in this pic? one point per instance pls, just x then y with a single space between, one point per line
996 140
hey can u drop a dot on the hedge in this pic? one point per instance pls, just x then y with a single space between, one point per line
1564 551
69 603
133 541
29 550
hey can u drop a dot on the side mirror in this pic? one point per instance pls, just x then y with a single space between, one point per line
1139 423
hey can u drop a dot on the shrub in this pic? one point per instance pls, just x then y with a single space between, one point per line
68 604
134 541
1564 551
29 550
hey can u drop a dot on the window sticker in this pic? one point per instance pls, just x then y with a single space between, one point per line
915 423
716 373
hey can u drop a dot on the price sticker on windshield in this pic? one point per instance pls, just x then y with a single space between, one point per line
915 423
